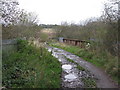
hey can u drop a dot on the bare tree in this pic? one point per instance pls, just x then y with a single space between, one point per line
110 12
27 19
110 17
9 11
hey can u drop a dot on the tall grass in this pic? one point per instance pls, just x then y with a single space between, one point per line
30 67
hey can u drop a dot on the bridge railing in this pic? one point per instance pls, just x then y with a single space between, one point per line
75 42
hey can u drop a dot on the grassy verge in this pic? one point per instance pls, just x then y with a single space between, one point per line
101 59
30 67
78 66
89 82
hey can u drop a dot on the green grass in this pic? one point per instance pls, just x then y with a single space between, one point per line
102 59
30 67
88 56
89 82
78 66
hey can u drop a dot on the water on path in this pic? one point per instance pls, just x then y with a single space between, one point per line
71 76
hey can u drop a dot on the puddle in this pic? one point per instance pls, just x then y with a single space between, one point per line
68 67
49 50
70 77
82 62
60 51
55 54
59 60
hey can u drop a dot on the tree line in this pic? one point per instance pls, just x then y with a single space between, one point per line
103 30
17 22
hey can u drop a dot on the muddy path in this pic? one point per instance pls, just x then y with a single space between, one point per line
71 76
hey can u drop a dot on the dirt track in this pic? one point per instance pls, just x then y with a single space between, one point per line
103 80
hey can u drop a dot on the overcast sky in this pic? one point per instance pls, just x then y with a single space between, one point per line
57 11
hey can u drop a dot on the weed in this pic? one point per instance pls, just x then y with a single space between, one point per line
28 68
89 83
78 66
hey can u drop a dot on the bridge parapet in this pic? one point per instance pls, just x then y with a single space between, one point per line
75 42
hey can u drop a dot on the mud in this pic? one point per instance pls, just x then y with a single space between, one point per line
71 76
